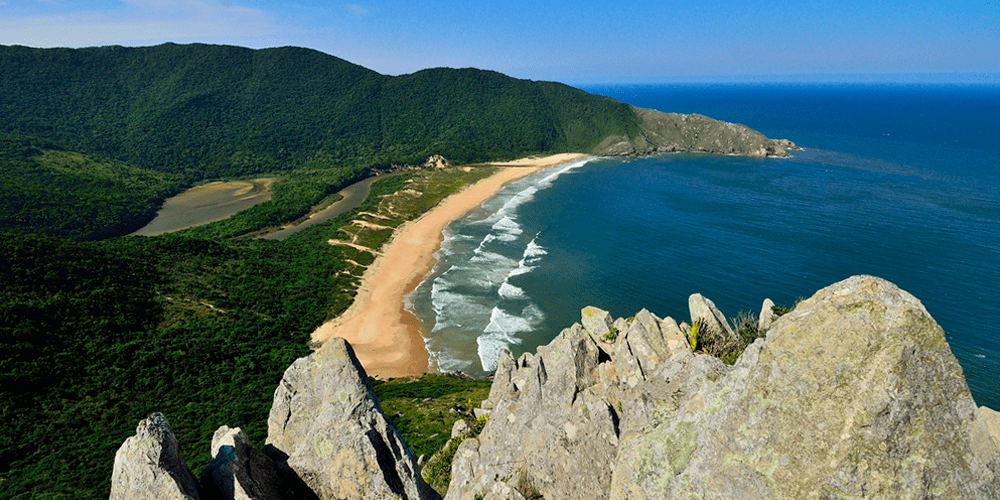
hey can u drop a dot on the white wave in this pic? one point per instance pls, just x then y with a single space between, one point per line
492 258
453 309
526 194
489 349
532 254
488 239
507 230
521 269
507 324
441 297
534 250
499 334
509 291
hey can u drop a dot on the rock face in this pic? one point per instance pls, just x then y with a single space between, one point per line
854 394
238 470
674 132
328 426
148 465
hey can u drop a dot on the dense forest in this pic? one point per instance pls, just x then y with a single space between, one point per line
195 112
98 330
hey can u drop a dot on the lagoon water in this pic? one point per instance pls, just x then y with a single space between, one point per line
901 182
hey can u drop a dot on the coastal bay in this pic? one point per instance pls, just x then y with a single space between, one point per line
385 336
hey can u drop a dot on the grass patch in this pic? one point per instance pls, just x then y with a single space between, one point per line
424 409
720 344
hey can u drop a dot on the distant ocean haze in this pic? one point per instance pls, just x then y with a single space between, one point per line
898 182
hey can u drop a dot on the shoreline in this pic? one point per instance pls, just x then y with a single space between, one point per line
385 336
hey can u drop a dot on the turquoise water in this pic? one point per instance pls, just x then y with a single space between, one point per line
897 182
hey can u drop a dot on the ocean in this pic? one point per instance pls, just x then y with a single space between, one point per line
896 181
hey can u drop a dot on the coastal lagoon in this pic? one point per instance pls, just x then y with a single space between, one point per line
899 182
206 203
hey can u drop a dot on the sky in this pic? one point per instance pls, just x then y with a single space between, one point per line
578 42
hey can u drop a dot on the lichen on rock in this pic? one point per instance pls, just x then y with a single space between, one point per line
854 394
328 427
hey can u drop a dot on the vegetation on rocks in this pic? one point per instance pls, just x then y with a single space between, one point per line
720 343
425 409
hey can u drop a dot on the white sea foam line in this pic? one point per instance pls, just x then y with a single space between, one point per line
491 343
455 309
508 224
505 324
528 193
498 335
495 259
534 250
509 291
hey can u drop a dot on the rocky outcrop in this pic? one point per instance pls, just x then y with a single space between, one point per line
854 394
148 465
238 471
766 316
675 132
329 429
704 310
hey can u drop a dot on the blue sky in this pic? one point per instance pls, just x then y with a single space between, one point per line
584 41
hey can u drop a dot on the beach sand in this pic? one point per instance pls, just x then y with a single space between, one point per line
385 336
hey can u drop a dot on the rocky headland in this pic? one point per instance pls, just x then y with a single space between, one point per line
855 393
679 133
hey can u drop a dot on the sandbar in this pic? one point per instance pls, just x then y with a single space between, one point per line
385 336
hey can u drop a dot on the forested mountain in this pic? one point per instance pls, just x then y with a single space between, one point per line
174 114
210 111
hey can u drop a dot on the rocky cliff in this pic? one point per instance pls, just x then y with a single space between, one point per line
673 132
853 394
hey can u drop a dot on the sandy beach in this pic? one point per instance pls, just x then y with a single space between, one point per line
385 336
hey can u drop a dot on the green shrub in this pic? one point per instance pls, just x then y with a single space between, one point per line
721 344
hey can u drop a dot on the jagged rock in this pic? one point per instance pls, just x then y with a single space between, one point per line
330 427
705 310
766 316
855 393
238 470
148 465
555 416
597 322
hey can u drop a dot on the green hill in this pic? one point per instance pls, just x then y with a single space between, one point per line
195 112
210 111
